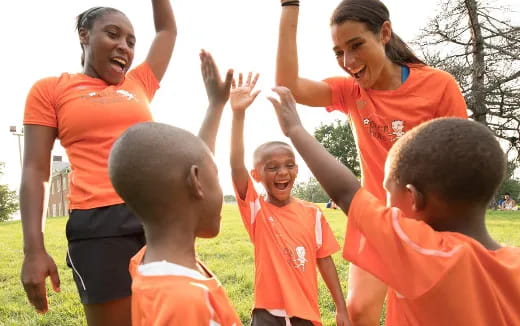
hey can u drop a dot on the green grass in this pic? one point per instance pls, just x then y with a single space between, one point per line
230 256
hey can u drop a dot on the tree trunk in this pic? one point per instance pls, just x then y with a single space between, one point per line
477 101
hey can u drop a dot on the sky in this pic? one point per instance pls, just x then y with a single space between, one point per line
39 40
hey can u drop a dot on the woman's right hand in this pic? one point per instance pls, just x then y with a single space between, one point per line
35 269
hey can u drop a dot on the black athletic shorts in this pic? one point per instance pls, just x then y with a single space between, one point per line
261 317
101 242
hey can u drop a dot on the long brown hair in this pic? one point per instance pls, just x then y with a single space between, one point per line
373 13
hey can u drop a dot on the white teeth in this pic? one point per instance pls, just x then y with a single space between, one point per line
121 61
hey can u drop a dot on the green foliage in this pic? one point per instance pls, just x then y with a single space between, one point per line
510 184
8 200
230 199
310 191
338 139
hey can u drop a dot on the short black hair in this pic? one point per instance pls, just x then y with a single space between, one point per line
260 150
457 159
149 165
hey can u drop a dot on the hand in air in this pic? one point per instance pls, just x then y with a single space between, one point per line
242 95
285 109
217 90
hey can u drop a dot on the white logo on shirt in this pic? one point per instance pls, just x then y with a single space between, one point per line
300 260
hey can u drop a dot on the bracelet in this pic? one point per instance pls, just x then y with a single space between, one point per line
291 3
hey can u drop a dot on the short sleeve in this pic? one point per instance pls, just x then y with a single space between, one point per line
40 106
341 91
386 244
144 74
249 208
326 241
452 102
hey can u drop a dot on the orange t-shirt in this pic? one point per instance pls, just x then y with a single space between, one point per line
288 240
434 278
178 298
89 116
380 117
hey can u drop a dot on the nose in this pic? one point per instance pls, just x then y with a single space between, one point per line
283 170
348 59
122 46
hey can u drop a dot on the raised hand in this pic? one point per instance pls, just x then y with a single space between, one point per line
216 89
285 109
242 95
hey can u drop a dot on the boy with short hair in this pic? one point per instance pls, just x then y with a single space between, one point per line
291 237
431 245
168 177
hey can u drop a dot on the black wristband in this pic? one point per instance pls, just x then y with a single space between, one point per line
291 3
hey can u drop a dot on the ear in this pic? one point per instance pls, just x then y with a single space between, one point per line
194 184
256 175
417 198
386 32
83 36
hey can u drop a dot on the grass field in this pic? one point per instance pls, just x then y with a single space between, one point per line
230 256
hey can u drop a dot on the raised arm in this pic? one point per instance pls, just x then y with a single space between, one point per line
37 264
165 35
305 91
336 179
218 94
330 277
242 96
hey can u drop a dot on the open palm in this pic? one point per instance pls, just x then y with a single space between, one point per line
242 94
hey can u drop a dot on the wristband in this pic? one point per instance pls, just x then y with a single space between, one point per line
291 3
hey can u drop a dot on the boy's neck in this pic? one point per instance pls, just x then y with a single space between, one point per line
469 221
173 244
276 202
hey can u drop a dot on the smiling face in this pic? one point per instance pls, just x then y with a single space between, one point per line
360 52
276 169
108 47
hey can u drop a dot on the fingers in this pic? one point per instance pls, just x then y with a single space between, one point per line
248 81
229 79
233 83
240 79
55 278
37 296
255 79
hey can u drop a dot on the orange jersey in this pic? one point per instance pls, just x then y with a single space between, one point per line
89 116
434 278
287 242
380 117
178 298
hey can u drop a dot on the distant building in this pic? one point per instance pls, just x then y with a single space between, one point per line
59 190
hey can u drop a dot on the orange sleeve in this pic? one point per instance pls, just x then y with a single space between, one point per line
341 93
406 254
452 103
40 104
144 74
329 243
249 208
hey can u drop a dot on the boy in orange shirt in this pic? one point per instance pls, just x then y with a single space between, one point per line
291 237
168 177
430 245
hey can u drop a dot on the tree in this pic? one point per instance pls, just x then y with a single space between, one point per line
310 190
473 41
510 185
230 199
8 200
337 138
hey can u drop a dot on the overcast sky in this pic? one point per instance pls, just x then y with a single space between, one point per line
39 40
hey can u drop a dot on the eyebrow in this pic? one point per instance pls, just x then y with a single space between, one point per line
356 38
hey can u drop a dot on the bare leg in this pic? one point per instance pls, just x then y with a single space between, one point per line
112 313
365 297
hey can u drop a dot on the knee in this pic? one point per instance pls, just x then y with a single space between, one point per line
363 312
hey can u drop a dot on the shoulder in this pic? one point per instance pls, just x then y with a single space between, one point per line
425 72
340 82
307 207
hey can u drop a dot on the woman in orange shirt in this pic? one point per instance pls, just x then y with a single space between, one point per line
388 92
87 111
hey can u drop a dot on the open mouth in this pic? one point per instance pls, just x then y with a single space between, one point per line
358 73
120 63
281 185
